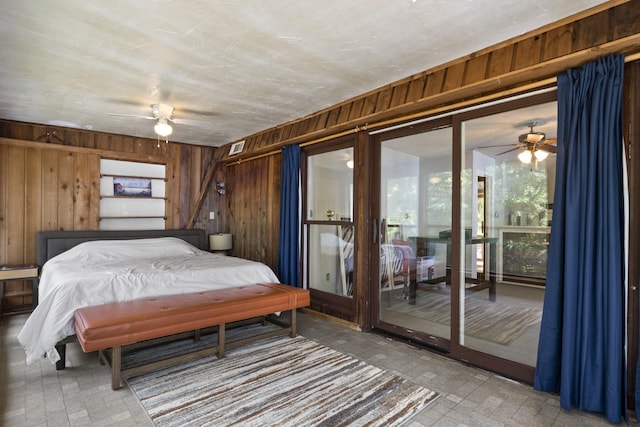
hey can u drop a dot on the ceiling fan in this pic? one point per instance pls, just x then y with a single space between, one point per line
536 146
163 115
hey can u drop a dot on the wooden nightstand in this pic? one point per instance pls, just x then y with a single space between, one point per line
19 272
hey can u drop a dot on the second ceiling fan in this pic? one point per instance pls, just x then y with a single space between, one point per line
535 144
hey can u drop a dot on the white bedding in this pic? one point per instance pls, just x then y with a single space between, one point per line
105 271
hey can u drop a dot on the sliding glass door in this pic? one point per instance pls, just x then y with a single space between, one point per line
413 246
508 173
462 218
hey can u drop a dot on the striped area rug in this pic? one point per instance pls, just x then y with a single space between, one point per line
279 382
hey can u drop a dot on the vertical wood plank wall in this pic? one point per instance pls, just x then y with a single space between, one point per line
252 202
50 180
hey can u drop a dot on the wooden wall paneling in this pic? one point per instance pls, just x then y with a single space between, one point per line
625 19
140 146
93 161
32 217
38 133
184 178
435 82
196 174
303 125
16 196
585 38
117 144
4 190
527 52
416 88
87 139
354 113
165 149
233 200
274 181
258 221
82 192
294 127
172 205
398 95
558 42
369 104
66 177
49 190
500 61
74 138
276 135
33 202
249 141
309 123
343 116
322 121
201 184
383 99
476 69
173 183
454 76
26 132
102 140
253 201
250 209
128 144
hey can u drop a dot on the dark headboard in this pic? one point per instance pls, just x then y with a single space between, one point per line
52 243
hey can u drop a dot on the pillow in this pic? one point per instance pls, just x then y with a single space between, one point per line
114 250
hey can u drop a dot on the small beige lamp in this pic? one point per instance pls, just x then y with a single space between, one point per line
220 243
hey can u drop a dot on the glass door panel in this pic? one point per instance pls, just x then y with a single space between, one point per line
329 250
331 259
414 289
505 226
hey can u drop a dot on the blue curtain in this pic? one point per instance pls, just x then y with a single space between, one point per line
581 350
288 249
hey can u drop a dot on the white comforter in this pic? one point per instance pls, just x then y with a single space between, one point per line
105 271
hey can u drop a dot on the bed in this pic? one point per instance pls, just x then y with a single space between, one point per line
97 267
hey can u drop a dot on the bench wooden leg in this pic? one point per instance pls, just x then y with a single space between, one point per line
116 358
294 331
221 339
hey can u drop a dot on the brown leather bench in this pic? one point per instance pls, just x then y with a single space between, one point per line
113 325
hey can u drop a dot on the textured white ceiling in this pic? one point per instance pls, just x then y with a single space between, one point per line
232 68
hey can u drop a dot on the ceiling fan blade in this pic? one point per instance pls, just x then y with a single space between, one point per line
548 148
132 115
198 123
500 145
550 141
508 151
179 110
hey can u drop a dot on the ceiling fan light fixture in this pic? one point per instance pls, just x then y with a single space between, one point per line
540 155
163 128
525 156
